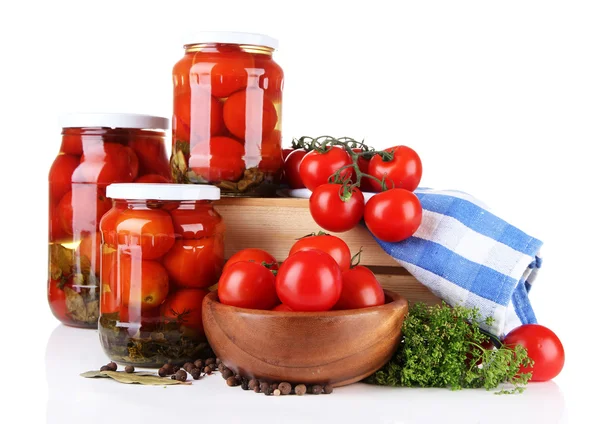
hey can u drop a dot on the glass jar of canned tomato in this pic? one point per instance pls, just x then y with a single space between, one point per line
162 248
96 150
227 93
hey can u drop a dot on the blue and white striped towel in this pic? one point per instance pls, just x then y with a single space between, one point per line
468 256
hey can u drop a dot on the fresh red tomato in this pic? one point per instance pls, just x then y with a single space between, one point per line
317 167
248 285
194 264
219 160
403 171
107 163
286 152
227 71
152 179
332 245
333 213
144 284
145 232
543 347
242 116
253 255
393 215
152 155
282 307
57 300
360 289
199 114
309 280
185 307
196 221
60 176
291 168
366 184
80 210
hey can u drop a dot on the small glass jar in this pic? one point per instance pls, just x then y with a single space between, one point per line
227 93
96 150
162 248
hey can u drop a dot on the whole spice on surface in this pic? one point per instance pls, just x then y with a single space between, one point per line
316 389
253 383
175 368
207 370
328 389
244 384
264 386
196 373
198 363
274 386
129 369
232 381
285 388
112 366
300 389
162 372
276 392
210 361
105 368
181 375
268 391
256 389
188 366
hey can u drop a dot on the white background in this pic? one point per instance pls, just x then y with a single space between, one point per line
500 99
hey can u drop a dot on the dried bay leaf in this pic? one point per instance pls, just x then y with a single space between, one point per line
80 310
61 260
144 378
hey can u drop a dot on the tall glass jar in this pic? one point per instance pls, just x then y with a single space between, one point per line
227 93
162 248
96 150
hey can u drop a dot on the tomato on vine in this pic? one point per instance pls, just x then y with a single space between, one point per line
403 170
393 215
291 168
337 207
318 165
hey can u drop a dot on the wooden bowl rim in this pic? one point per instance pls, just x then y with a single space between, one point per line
397 301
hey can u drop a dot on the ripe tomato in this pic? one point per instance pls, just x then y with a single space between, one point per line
152 179
291 168
145 232
282 307
108 227
227 71
309 280
219 160
366 183
403 171
194 264
57 300
152 156
71 142
90 248
253 255
107 163
543 346
185 307
244 108
286 152
60 175
272 79
199 113
317 167
360 289
110 291
331 212
248 285
332 245
144 284
56 233
197 221
80 210
393 215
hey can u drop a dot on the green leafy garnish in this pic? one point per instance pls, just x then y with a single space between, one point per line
443 346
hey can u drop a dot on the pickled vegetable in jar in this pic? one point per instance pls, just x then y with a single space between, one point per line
227 102
96 150
162 248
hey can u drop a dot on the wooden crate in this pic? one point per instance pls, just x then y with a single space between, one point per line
273 224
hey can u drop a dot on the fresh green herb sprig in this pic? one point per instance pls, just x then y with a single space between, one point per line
442 346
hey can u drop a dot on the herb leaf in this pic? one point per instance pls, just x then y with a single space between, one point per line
144 378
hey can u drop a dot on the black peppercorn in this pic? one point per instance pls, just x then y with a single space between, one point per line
274 386
196 373
232 381
221 367
264 386
244 384
173 377
175 369
104 368
218 360
168 369
300 389
198 363
226 373
253 383
256 389
188 366
181 375
207 370
328 389
285 388
213 367
316 389
268 392
210 361
162 372
129 369
112 366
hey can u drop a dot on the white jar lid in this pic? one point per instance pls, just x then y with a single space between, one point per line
114 120
227 37
142 191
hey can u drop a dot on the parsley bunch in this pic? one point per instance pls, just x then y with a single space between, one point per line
443 346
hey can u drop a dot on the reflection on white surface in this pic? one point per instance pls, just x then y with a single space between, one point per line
73 399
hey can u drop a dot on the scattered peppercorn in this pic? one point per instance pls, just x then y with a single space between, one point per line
274 386
112 366
162 372
285 388
198 363
253 383
218 360
181 375
210 361
300 389
232 381
196 373
316 389
221 367
104 368
173 377
256 389
264 386
175 368
168 369
244 384
328 389
188 366
268 392
213 367
207 370
226 373
276 392
129 369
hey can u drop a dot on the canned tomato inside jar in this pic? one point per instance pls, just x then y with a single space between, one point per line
227 93
162 248
96 150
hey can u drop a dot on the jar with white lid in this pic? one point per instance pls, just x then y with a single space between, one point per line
162 248
97 149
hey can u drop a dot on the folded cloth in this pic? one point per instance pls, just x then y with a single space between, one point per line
468 256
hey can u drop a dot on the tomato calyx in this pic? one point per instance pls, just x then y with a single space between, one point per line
320 233
269 266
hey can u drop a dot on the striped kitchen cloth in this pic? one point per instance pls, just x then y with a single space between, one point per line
468 256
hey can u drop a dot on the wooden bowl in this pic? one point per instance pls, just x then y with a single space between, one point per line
333 347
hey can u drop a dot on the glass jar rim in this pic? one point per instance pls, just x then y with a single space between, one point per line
144 191
114 120
229 37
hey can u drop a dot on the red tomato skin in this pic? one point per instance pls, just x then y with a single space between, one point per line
331 212
360 289
236 111
194 264
291 168
393 215
185 306
309 280
253 255
60 176
248 285
286 152
282 307
332 245
543 346
80 210
317 167
107 163
403 171
219 160
145 232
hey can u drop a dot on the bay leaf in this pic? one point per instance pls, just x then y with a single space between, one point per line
61 259
75 305
144 378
